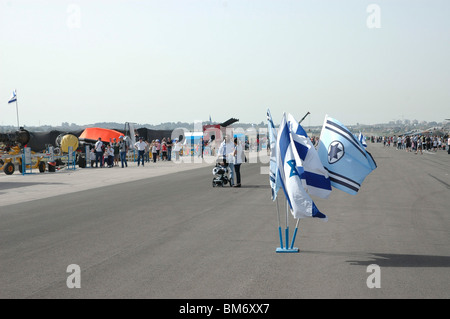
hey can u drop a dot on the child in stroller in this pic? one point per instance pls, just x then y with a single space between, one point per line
221 174
222 171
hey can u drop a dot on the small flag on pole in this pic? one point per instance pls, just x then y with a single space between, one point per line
290 173
362 139
273 172
13 97
344 157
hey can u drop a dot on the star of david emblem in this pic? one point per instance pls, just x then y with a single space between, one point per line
335 152
294 171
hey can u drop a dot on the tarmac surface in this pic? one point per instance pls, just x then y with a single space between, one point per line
162 231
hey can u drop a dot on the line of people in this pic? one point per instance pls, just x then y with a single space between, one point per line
417 143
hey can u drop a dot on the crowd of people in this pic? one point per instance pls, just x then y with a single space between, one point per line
114 153
416 143
110 154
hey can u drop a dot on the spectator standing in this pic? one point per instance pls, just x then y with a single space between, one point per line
408 143
154 152
164 149
226 151
115 147
158 148
419 145
176 149
238 160
435 143
140 146
123 150
109 155
428 141
448 145
147 152
98 152
169 148
92 157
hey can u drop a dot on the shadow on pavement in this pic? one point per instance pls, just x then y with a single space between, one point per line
255 186
400 260
388 260
9 185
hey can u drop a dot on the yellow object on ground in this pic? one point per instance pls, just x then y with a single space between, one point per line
69 140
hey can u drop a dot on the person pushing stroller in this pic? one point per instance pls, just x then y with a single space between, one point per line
225 157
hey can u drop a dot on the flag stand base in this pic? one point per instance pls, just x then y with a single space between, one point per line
287 250
291 248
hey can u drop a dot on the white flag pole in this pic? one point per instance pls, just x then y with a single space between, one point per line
17 111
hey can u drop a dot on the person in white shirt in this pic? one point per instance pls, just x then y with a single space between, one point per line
154 151
140 146
225 153
98 152
92 157
448 145
109 155
177 149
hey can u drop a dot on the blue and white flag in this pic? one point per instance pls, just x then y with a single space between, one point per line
315 177
344 157
290 172
13 97
273 173
362 139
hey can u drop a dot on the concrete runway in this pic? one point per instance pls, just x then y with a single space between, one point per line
174 236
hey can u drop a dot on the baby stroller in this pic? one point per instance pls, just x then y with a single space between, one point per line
221 175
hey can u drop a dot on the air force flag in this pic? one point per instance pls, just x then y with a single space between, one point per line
290 173
344 157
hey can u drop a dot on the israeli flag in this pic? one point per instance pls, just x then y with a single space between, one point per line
344 157
13 97
362 139
273 173
290 173
314 177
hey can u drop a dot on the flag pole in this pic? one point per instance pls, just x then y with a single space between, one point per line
295 234
304 117
286 248
287 224
17 111
279 226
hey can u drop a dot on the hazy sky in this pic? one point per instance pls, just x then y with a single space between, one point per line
158 61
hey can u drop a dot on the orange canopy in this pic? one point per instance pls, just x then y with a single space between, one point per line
93 133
